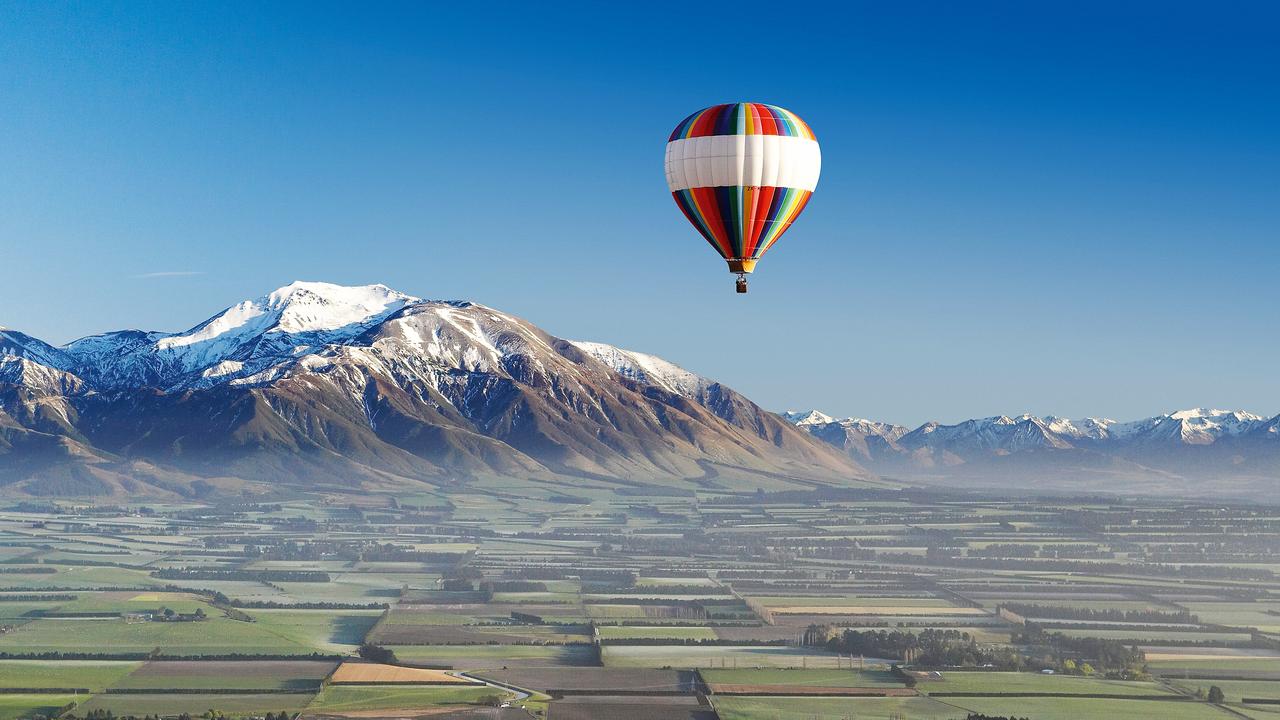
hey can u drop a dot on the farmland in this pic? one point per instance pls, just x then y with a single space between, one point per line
797 603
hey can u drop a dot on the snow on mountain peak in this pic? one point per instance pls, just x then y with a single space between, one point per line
648 369
1217 416
19 344
1090 428
296 308
807 417
815 421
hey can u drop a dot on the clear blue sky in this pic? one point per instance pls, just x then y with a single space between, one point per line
1068 208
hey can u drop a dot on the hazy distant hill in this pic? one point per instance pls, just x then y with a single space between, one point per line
317 384
1190 451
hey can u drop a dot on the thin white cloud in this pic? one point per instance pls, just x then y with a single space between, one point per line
167 273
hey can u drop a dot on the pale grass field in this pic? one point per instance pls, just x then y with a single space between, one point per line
873 610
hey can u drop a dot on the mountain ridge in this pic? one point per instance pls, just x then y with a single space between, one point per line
316 384
1231 450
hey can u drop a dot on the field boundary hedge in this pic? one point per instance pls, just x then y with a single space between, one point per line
379 683
1094 696
162 656
43 691
209 691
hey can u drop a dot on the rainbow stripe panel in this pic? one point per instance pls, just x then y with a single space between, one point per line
742 173
741 223
742 119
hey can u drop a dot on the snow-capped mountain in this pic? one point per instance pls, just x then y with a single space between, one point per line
318 383
1194 427
864 440
647 369
14 344
1010 434
1186 446
295 321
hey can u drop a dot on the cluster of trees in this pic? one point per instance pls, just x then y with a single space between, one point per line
157 653
169 615
701 642
1071 667
270 548
377 653
929 647
253 575
1063 612
311 605
952 556
64 597
493 586
206 715
1102 653
619 578
953 648
1021 550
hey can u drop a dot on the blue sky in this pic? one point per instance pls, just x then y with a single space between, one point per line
1067 208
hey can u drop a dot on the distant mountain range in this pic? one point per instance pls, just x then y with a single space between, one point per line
1188 452
317 385
323 386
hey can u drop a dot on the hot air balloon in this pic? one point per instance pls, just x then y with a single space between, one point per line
742 173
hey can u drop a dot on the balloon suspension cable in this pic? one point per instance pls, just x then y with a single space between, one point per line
742 282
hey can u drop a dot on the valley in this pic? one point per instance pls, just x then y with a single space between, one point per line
817 603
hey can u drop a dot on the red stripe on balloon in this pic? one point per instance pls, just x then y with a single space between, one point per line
763 203
709 209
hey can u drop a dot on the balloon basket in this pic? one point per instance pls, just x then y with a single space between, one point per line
742 283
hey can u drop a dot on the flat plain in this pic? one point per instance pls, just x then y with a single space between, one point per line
637 604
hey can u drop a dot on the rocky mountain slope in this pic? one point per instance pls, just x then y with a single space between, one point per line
315 385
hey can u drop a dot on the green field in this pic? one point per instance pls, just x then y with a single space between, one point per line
75 576
140 601
1174 668
838 601
87 674
628 548
195 704
299 675
217 635
13 707
323 630
1077 708
615 632
488 657
1234 690
1028 682
712 656
806 678
347 698
1155 637
797 708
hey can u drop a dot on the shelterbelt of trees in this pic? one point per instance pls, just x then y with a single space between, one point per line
1065 612
954 648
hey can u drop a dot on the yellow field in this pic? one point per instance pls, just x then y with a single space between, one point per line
373 673
872 610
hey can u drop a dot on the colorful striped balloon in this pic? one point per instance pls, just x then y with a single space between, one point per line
742 173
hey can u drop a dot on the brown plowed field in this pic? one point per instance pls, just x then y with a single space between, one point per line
373 673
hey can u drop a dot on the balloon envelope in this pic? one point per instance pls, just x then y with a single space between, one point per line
742 173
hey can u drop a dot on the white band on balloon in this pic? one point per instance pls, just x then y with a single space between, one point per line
763 160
